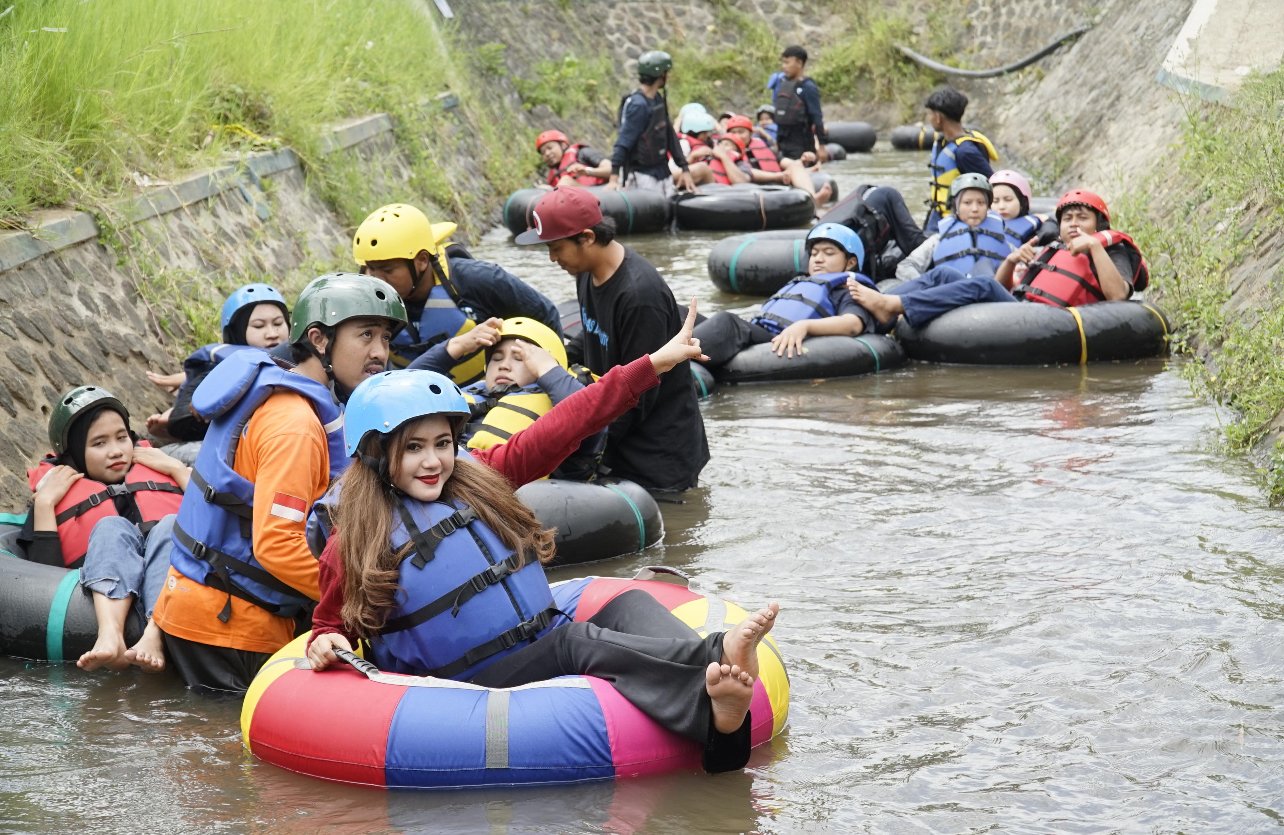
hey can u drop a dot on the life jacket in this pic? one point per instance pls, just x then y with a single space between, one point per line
463 601
760 156
945 169
568 159
972 251
213 541
804 297
790 108
652 148
1062 279
498 417
206 357
719 171
693 142
440 320
1021 229
156 495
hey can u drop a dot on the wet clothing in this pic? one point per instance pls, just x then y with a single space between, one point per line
661 443
485 290
646 139
799 119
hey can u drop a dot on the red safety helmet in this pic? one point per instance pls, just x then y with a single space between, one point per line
738 121
1080 197
550 136
731 137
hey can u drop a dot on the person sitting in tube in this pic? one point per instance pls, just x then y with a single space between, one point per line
379 586
104 502
972 239
769 168
570 165
818 304
1089 263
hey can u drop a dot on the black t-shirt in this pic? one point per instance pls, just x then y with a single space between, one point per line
660 443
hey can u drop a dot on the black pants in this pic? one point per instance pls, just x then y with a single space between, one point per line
653 659
795 140
890 203
724 334
211 668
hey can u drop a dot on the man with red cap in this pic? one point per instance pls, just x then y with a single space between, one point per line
627 310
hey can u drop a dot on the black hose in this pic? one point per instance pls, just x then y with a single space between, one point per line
1004 70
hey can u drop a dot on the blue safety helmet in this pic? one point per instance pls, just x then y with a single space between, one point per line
385 401
698 122
842 235
248 296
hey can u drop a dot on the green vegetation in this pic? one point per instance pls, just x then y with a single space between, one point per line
717 77
568 87
1213 218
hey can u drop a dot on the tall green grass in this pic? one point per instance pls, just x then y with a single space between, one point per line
94 90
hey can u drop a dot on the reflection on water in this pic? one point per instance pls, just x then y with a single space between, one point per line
1015 600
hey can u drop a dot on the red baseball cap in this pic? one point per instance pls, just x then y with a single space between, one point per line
562 213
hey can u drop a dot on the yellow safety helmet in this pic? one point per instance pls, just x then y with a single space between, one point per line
533 330
398 230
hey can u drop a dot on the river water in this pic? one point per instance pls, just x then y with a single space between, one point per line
1015 600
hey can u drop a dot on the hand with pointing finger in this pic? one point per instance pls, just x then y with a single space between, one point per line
682 347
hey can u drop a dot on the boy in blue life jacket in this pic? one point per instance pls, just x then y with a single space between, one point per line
972 240
817 304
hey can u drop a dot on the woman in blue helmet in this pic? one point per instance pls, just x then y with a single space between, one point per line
255 316
437 566
816 304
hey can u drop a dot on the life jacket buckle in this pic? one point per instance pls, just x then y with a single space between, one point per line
114 490
95 499
209 493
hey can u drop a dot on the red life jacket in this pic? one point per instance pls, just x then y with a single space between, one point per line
568 159
1062 279
88 501
693 141
761 156
719 171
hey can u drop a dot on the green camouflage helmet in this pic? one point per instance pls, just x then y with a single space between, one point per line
72 404
337 297
654 64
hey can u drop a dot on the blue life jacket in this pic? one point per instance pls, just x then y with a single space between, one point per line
213 541
1021 229
945 168
463 602
972 251
206 357
804 297
440 320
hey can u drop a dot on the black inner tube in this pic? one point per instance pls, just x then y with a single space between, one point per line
1004 70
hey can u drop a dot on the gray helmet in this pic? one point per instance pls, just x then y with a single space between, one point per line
654 64
72 404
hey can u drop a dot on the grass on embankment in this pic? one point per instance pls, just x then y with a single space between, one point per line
1218 213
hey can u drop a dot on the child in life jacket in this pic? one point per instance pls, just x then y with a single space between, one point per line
254 315
104 502
475 605
527 374
972 239
817 304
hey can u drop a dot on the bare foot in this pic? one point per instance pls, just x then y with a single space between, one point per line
149 653
108 651
740 645
730 692
885 307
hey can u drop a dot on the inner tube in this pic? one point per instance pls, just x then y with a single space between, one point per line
837 153
924 61
1030 333
917 137
394 731
598 521
757 264
636 211
744 208
44 613
819 179
853 136
827 356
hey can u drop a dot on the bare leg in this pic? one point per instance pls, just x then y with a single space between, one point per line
884 306
109 650
730 683
149 653
799 176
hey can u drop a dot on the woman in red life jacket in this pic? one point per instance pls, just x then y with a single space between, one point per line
104 503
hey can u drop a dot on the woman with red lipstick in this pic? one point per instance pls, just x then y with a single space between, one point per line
105 503
436 564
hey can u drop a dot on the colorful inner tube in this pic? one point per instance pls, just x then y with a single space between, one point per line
758 264
744 208
598 521
635 211
918 137
394 731
856 137
44 612
1029 333
827 356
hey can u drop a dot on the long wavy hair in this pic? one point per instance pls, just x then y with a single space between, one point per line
367 515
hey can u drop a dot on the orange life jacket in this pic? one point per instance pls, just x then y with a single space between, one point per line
761 156
157 495
1062 279
568 159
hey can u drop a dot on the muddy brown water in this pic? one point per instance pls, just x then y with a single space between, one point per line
1015 600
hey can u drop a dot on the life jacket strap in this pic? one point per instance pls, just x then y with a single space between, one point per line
521 633
228 501
222 564
426 542
111 492
453 600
